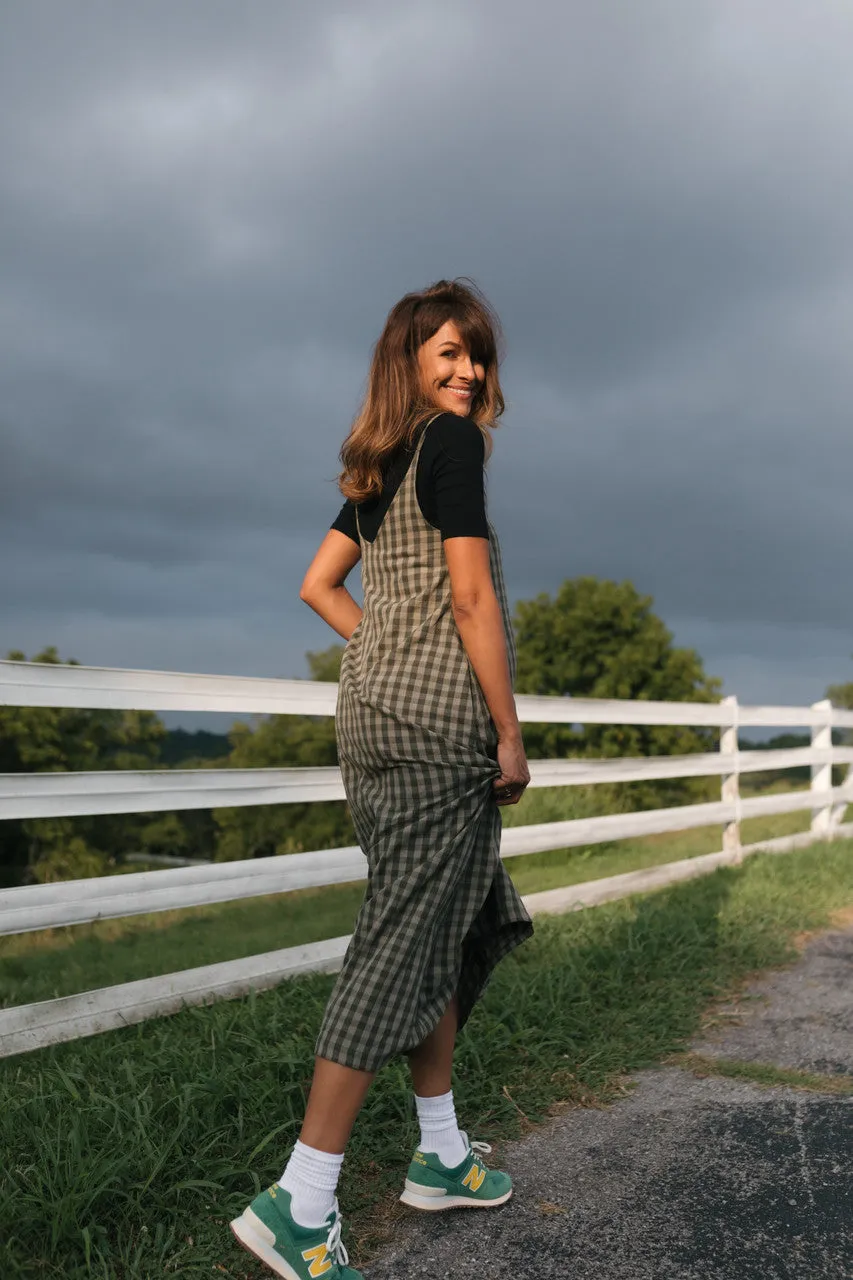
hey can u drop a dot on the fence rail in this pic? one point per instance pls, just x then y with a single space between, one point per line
43 684
34 907
48 906
61 795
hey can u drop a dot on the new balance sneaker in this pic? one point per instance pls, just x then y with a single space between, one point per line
267 1229
432 1186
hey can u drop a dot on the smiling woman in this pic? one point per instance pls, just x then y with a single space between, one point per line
449 373
430 748
438 350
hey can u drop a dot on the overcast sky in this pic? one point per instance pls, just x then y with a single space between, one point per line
207 209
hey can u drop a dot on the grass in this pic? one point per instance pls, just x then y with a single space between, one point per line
764 1074
59 962
126 1154
536 871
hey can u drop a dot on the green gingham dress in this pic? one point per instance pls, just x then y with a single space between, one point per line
418 755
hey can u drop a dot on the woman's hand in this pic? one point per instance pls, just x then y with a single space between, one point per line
515 774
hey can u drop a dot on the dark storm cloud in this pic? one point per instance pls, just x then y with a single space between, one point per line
209 209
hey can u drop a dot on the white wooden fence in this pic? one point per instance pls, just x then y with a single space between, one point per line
60 794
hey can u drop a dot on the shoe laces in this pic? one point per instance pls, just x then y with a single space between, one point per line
481 1148
334 1244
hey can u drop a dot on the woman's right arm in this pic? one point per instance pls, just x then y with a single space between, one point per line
323 586
477 613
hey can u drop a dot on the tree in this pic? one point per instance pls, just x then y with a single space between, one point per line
325 664
600 639
56 739
182 749
841 695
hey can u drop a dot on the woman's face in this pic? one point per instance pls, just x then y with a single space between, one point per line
448 376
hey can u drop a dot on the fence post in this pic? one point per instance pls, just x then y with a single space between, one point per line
731 782
841 808
822 773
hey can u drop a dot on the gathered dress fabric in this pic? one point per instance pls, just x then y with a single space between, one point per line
418 754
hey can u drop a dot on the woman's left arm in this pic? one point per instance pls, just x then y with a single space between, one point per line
323 586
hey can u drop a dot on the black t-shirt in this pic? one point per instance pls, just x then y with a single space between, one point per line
449 483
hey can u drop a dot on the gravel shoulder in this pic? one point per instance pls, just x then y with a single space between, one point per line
687 1177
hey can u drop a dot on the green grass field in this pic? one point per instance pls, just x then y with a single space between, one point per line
59 962
125 1155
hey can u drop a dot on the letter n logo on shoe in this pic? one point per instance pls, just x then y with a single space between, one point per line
474 1177
319 1259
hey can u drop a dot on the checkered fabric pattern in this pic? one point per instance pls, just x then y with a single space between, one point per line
418 755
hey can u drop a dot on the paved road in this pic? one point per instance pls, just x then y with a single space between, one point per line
685 1178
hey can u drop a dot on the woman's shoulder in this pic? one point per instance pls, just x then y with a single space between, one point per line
456 435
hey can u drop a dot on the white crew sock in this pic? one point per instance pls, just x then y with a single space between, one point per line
311 1177
439 1129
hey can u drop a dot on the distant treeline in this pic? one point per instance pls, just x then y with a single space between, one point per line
180 746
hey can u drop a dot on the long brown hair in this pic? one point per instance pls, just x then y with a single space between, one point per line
394 404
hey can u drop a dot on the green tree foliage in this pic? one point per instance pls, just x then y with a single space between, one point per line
166 833
325 664
841 695
55 739
182 749
258 831
600 639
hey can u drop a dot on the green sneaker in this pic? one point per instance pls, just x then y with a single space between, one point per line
267 1229
432 1186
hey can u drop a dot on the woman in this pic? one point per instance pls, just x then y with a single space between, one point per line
430 747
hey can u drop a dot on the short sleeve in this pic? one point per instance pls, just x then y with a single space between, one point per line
345 522
459 499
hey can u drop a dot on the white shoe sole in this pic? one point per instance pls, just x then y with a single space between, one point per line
250 1231
414 1195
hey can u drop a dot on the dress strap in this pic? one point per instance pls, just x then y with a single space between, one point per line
421 436
423 431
